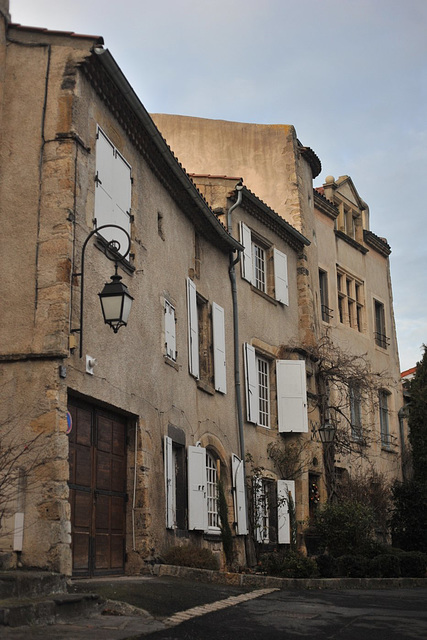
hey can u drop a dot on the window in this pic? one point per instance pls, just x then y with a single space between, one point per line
212 491
350 301
265 267
324 296
291 392
175 484
113 190
384 425
263 391
206 340
381 339
170 331
257 371
355 413
347 221
272 504
203 475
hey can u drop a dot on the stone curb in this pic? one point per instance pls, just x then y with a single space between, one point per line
261 581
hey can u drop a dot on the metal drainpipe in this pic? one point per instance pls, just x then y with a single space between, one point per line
232 272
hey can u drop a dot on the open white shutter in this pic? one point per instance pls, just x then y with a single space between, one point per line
218 327
246 240
122 193
291 396
239 496
169 481
197 488
285 488
170 331
252 402
113 191
104 190
193 329
281 277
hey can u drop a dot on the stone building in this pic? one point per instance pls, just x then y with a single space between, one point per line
106 430
345 304
113 444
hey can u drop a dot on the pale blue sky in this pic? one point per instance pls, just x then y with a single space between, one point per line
350 75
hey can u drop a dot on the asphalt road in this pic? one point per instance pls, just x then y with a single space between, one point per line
396 614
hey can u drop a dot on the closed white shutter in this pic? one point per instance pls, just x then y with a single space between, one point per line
285 488
291 396
112 191
170 331
252 402
197 488
239 488
193 329
246 240
218 327
168 456
281 277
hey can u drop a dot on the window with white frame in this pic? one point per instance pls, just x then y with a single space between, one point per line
212 491
112 191
203 475
206 339
291 391
264 266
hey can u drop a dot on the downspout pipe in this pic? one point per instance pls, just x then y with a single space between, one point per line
232 273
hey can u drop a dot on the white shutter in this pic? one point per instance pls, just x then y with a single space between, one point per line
113 191
122 192
170 331
252 402
218 327
291 396
258 509
197 487
281 277
246 240
193 329
168 456
239 496
104 189
285 488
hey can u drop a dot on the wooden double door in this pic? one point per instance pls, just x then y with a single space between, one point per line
97 457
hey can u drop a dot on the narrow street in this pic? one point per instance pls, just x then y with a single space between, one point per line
394 614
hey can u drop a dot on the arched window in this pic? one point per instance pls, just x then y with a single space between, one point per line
212 491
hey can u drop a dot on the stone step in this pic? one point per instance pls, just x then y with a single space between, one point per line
30 584
19 611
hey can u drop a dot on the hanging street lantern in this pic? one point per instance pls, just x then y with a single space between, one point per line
116 302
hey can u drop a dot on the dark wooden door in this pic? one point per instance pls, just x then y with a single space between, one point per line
97 456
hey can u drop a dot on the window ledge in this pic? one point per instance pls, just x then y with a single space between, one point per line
389 448
207 388
212 536
171 363
265 295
